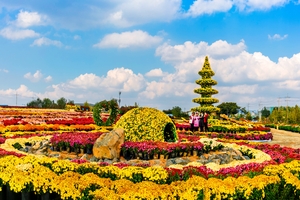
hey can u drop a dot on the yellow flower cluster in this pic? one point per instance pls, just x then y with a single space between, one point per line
146 124
29 174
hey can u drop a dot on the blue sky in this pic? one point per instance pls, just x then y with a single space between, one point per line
151 51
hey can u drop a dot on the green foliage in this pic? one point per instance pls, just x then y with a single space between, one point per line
176 112
287 115
265 112
47 103
61 103
125 109
228 108
110 107
35 103
248 116
17 146
86 104
247 153
206 91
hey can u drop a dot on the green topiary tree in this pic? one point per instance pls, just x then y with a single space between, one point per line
111 107
206 90
147 124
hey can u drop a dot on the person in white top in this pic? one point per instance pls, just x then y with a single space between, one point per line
191 121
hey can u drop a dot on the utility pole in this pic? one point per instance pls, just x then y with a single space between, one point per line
259 111
287 108
278 100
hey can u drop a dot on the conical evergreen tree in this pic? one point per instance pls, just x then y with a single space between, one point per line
206 91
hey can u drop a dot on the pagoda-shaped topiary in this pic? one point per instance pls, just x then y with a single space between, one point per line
206 90
147 124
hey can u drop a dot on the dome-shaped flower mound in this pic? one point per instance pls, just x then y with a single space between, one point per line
147 124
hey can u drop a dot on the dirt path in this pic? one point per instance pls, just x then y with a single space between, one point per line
285 138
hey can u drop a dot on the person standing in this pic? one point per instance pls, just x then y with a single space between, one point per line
196 122
191 121
201 122
205 120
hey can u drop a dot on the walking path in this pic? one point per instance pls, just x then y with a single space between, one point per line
285 138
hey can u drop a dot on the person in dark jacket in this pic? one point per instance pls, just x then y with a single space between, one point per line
205 119
201 123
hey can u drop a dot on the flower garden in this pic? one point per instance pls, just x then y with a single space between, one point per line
269 172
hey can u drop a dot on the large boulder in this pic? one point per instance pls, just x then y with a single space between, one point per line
108 145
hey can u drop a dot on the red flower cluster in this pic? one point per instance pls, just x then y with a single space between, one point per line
160 147
5 153
75 139
260 128
73 121
2 140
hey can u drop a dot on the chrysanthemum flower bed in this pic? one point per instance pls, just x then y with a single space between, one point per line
272 179
272 173
253 135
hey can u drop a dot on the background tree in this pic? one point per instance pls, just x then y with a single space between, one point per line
35 103
265 112
61 103
228 108
47 103
286 115
249 116
86 104
176 111
71 102
206 91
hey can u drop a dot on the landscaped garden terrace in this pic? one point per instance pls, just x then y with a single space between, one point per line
269 172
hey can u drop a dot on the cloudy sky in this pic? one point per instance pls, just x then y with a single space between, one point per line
150 51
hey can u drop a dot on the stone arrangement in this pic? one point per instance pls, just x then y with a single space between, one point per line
107 149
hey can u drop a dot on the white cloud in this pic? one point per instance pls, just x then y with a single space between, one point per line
119 13
34 77
26 19
77 37
129 39
239 89
189 51
288 84
48 79
252 5
156 73
123 79
116 79
43 41
22 91
86 81
277 37
17 34
4 70
134 12
257 67
157 89
57 91
200 7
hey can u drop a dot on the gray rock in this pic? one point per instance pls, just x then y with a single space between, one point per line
84 157
94 159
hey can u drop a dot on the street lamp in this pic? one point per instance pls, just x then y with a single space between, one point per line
119 99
